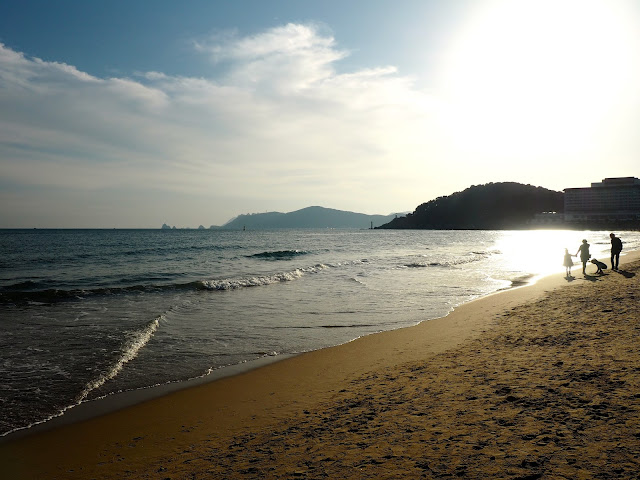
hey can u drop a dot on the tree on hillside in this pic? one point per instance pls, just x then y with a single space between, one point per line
491 206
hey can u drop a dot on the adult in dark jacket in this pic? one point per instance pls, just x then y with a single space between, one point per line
616 248
583 250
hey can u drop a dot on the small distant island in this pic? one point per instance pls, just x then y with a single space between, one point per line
168 227
494 206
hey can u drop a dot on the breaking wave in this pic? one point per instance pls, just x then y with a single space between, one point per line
522 280
235 283
22 294
454 262
137 341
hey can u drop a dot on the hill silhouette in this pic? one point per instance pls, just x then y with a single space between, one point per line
310 217
494 206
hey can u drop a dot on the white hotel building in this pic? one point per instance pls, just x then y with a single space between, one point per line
612 200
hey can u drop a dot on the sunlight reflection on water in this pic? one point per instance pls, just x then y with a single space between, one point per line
541 251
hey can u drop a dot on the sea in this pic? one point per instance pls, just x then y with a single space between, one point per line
88 314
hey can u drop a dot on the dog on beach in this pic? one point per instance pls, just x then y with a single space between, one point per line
599 264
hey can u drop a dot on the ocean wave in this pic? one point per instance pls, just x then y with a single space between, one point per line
355 325
161 250
130 351
26 293
279 255
454 262
235 283
137 341
30 296
328 326
485 253
348 263
26 285
522 280
445 264
515 282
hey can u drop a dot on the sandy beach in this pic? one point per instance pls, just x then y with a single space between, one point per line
537 382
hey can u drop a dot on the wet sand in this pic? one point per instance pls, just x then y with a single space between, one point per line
537 382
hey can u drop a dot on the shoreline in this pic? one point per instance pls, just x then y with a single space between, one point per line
112 403
256 398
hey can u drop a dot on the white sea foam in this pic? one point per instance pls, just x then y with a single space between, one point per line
450 263
138 340
232 284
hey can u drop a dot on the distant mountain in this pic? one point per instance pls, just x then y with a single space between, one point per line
310 217
494 206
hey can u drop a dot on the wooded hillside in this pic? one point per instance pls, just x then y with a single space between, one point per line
492 206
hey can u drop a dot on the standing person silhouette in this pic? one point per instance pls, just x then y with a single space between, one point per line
583 250
616 248
568 263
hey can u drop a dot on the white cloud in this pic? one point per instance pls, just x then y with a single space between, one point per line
290 40
280 128
36 75
280 122
286 59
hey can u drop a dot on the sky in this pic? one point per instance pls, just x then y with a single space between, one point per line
133 114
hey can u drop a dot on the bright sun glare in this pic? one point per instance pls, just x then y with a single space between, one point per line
540 75
541 251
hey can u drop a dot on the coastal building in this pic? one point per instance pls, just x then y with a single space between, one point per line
609 201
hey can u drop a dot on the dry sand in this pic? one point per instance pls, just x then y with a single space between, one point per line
538 382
